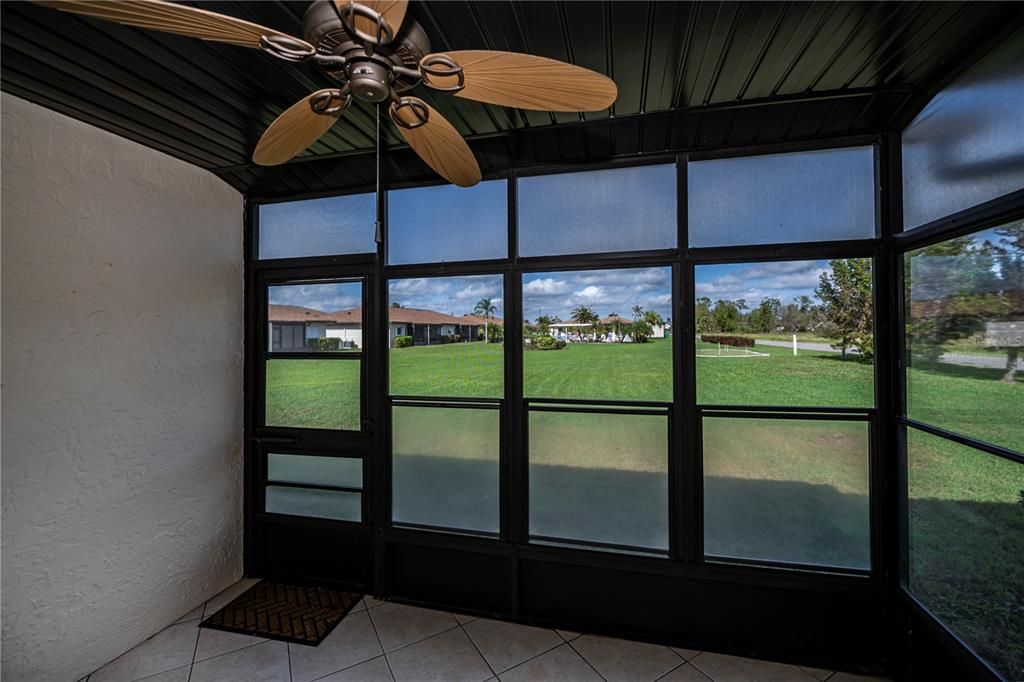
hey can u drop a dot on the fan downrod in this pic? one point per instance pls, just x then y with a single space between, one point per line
371 67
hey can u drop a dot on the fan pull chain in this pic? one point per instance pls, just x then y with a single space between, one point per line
379 234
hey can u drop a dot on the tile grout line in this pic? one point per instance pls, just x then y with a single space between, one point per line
347 667
379 642
195 649
527 660
685 663
406 646
669 672
586 661
470 638
288 649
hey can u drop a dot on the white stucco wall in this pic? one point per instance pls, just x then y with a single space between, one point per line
122 392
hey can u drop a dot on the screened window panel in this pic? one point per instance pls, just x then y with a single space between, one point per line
600 478
313 394
448 223
746 315
581 342
318 227
787 490
621 209
315 317
965 335
437 330
324 504
342 472
967 146
445 467
809 196
966 534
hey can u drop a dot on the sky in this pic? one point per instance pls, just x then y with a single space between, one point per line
557 293
783 280
325 297
448 223
453 295
606 291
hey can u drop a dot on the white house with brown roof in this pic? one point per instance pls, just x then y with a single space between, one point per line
292 328
576 331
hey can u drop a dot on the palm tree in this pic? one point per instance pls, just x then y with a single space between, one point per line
654 319
486 307
584 315
638 311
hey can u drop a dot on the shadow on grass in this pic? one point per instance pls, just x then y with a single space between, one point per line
773 520
965 555
965 566
789 521
961 371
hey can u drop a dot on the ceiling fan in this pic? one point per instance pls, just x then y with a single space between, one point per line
375 53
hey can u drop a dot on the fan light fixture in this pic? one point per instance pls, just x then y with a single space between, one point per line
375 53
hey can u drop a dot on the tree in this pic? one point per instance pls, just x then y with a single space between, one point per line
726 316
845 292
638 312
703 319
943 283
763 317
396 304
1009 257
486 307
640 330
544 323
653 319
791 318
583 315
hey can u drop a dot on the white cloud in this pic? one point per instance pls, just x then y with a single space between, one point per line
798 280
591 293
323 297
546 286
778 268
479 290
408 286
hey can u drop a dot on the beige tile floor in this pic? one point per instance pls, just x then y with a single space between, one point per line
393 642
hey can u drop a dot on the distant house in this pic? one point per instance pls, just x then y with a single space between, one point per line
428 327
292 328
657 330
571 331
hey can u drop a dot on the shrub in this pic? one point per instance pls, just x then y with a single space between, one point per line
640 331
403 341
325 343
727 340
548 343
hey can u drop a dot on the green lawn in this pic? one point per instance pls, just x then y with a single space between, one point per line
631 371
792 490
318 394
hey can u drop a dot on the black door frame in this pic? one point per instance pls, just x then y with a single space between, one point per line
683 599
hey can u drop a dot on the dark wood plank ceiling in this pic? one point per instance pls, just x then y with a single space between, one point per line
690 76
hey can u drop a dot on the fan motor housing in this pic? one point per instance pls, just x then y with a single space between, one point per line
368 75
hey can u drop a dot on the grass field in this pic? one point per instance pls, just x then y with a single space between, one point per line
792 490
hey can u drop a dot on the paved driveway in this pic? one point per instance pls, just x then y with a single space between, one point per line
985 361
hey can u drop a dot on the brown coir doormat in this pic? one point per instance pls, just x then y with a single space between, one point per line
304 615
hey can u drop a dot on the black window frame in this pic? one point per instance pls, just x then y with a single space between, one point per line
515 588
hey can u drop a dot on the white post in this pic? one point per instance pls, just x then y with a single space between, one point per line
794 344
